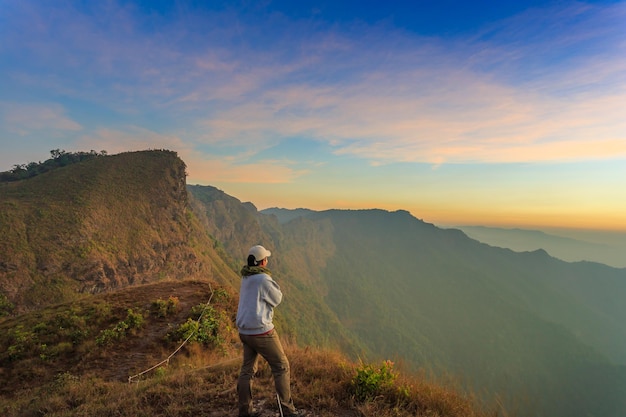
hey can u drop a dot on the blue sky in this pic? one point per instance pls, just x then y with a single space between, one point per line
484 112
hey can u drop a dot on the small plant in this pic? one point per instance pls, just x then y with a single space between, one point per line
203 327
43 352
160 372
133 321
71 324
221 294
6 307
22 343
163 308
371 381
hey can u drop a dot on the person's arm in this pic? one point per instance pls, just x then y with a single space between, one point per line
273 296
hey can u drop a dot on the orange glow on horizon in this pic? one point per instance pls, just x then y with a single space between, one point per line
445 216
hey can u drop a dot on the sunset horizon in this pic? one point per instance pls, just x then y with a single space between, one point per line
494 114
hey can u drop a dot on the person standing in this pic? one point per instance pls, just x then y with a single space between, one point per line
258 296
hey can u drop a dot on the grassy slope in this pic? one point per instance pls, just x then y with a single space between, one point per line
51 364
98 225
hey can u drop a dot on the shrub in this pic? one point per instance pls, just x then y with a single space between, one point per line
162 308
371 381
70 324
134 320
119 331
203 327
221 294
22 343
6 307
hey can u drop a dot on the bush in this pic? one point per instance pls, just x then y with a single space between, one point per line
203 327
6 307
22 343
70 324
162 308
133 321
371 381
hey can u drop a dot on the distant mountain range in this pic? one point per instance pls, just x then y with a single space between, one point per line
525 325
594 246
543 336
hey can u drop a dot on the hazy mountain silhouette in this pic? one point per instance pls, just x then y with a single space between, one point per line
610 252
521 323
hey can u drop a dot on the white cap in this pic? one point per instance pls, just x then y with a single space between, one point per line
259 252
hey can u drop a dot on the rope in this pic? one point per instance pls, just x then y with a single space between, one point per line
167 360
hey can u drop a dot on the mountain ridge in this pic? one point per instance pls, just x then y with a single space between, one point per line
68 227
541 334
570 249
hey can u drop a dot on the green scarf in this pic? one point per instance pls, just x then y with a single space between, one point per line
246 271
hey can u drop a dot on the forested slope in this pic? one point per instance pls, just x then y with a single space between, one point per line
544 335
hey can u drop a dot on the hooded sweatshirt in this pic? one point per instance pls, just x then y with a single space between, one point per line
258 296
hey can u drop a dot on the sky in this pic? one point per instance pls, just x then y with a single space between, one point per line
491 113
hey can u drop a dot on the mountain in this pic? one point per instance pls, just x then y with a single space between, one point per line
98 225
548 331
307 318
607 248
542 336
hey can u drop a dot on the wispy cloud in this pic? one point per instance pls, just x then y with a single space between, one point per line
25 119
432 100
515 92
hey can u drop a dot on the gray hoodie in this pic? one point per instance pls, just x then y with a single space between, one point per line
258 296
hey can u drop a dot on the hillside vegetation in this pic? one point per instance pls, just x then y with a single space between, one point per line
93 357
101 224
540 336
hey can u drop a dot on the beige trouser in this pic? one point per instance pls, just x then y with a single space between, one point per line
270 348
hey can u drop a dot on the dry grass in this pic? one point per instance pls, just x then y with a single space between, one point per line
91 379
202 384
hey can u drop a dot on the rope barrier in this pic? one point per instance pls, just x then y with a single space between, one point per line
167 360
